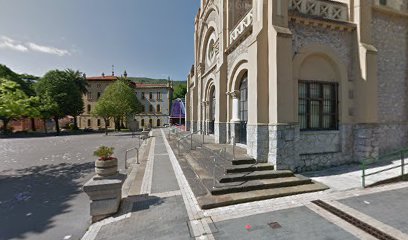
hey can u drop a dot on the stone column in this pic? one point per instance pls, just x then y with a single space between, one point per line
235 121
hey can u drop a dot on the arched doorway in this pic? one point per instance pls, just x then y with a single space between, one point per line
213 102
158 123
243 109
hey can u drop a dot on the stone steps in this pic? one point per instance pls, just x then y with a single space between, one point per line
235 187
249 168
214 201
268 174
243 161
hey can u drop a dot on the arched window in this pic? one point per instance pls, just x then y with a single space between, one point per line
151 108
158 122
142 123
150 122
88 110
158 108
89 122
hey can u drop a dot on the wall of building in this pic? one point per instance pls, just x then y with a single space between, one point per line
165 106
390 36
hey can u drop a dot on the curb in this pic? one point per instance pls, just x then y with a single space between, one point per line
124 211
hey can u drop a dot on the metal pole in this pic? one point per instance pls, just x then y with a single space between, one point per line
214 174
126 159
233 148
402 165
191 142
169 132
363 176
203 136
178 148
137 156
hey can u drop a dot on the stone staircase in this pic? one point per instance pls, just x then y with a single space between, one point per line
241 180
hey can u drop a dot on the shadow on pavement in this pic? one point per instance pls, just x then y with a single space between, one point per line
144 202
30 198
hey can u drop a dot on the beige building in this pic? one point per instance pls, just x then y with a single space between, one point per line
96 86
156 101
302 84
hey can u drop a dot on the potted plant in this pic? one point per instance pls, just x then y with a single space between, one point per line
106 165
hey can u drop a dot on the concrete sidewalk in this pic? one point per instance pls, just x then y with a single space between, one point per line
161 205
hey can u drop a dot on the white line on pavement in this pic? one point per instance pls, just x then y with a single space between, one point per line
369 220
167 194
357 232
201 229
147 178
270 205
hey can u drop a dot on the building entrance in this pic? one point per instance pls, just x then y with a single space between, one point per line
243 109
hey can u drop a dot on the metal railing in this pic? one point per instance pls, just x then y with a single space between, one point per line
191 140
400 154
175 130
126 156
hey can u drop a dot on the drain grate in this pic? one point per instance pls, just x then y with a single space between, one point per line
354 221
274 225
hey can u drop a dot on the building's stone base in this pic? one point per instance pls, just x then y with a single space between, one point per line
258 140
220 132
234 131
193 126
366 142
283 153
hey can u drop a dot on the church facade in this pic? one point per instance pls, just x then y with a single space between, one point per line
302 84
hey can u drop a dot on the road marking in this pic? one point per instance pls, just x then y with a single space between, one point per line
369 220
148 176
360 234
167 194
270 205
199 223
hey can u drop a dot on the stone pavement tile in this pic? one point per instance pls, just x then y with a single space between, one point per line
388 207
163 179
294 223
153 218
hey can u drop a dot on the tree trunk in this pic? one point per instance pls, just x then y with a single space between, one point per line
75 123
45 125
57 128
33 128
5 124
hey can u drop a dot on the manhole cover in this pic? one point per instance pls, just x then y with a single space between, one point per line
274 225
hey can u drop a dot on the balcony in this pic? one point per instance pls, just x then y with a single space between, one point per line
243 27
320 8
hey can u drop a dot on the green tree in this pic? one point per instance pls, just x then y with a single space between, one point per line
14 103
80 81
118 102
46 108
180 91
64 92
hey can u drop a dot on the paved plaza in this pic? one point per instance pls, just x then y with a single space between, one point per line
41 183
163 206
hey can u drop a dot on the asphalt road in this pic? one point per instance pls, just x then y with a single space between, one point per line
41 182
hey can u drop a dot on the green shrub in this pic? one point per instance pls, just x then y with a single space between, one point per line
104 152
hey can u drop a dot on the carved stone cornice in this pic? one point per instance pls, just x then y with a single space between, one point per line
234 94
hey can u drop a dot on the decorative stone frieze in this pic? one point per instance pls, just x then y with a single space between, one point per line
242 27
319 8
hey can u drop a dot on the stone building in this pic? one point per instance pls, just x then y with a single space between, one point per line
302 84
156 99
96 86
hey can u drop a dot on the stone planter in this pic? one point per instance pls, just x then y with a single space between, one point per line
106 168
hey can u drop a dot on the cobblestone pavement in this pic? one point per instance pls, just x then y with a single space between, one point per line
167 209
41 184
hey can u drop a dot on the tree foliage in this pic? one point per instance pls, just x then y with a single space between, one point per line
118 101
180 91
14 102
63 91
25 81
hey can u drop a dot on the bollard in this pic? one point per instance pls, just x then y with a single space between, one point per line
137 156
